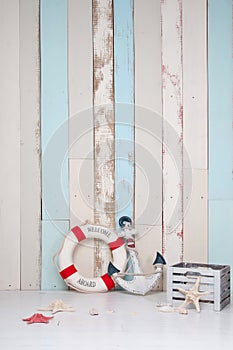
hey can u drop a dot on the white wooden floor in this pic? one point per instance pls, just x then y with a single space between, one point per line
124 322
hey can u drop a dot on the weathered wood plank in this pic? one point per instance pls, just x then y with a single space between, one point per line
148 131
147 29
196 217
30 200
54 109
10 146
54 126
81 191
172 96
195 130
148 242
220 67
220 100
195 82
124 107
80 79
148 113
103 100
52 231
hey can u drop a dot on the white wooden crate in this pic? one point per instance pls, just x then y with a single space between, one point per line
214 279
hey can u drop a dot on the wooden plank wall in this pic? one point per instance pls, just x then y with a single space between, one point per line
30 179
220 40
195 131
10 146
173 119
104 118
81 133
20 184
123 90
54 138
124 108
148 130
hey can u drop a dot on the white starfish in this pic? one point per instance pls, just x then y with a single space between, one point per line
57 306
192 296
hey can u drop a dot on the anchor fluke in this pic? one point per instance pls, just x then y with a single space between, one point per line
112 269
159 259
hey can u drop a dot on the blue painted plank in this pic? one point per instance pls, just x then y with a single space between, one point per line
220 131
54 109
221 228
52 231
124 107
220 99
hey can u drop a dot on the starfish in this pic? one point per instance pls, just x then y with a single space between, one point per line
37 318
57 306
192 296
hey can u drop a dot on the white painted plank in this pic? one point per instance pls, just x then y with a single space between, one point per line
195 81
10 146
148 110
196 217
81 191
124 108
103 123
148 181
195 131
172 94
30 200
148 242
148 131
147 28
80 70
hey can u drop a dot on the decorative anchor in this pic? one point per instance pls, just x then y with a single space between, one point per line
140 283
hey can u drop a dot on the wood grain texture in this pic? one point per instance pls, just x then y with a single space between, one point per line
195 83
81 210
220 100
54 130
148 131
172 96
10 146
196 217
148 243
30 200
80 79
220 67
103 99
52 231
195 152
54 109
148 113
81 191
124 107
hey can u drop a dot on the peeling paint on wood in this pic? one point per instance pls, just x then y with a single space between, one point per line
124 108
172 61
10 146
104 192
220 67
30 147
54 127
195 130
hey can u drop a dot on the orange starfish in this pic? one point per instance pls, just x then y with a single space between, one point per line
37 318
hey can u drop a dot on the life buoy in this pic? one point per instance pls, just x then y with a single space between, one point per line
68 270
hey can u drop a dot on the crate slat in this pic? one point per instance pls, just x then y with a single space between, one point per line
213 278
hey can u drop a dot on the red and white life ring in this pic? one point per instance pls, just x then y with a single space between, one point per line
68 270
